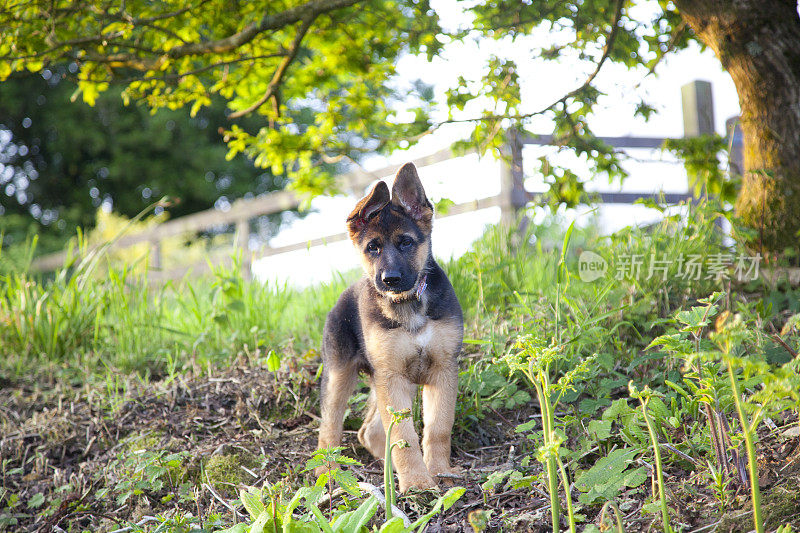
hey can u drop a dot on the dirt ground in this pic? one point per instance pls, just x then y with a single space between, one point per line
63 443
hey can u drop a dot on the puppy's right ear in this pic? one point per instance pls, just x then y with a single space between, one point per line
368 207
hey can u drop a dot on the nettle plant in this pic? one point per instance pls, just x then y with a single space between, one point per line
726 368
534 359
273 507
144 472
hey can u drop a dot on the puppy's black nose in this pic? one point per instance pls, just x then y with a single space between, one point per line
391 278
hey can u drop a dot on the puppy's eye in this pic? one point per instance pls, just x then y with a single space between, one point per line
406 242
373 247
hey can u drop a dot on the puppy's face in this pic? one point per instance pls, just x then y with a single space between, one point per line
393 234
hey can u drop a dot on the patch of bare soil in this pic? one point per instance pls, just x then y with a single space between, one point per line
70 446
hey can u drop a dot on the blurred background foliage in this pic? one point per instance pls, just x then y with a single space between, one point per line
62 162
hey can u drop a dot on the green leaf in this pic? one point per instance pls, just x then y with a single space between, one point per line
36 501
347 481
659 409
600 429
525 426
617 409
495 478
452 496
712 298
696 317
674 342
395 525
251 499
634 478
357 519
5 70
443 206
520 397
260 522
273 361
295 526
607 477
563 273
321 521
443 503
237 306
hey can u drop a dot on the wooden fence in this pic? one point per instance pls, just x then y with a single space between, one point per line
698 119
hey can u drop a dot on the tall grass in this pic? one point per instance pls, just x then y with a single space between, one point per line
90 324
87 319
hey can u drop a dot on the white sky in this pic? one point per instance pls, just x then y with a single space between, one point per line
468 177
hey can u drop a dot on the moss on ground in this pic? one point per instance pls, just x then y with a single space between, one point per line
779 506
782 506
148 440
224 472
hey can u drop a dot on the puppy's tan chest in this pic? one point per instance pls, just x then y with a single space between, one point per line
414 353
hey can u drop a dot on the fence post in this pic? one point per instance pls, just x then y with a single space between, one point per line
155 254
698 111
698 119
512 186
243 237
698 108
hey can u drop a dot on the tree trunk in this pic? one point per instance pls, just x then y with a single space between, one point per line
758 43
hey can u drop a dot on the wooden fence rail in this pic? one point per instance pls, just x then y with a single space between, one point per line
698 119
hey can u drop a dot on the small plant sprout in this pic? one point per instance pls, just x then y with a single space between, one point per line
719 484
644 397
729 336
332 458
388 471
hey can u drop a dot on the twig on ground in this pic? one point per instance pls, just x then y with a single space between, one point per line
679 453
221 500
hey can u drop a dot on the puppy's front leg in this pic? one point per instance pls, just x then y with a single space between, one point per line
396 391
438 406
338 384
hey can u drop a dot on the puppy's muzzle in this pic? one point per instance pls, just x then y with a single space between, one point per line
392 279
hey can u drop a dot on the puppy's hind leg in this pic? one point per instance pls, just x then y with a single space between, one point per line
371 435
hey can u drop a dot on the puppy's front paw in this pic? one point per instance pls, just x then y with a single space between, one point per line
416 481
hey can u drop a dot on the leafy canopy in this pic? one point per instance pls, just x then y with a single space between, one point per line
333 61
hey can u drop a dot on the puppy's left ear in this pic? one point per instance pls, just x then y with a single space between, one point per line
407 193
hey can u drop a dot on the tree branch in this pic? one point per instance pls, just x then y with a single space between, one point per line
607 48
166 77
309 10
277 77
606 51
679 32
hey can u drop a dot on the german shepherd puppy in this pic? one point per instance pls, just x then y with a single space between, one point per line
401 324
